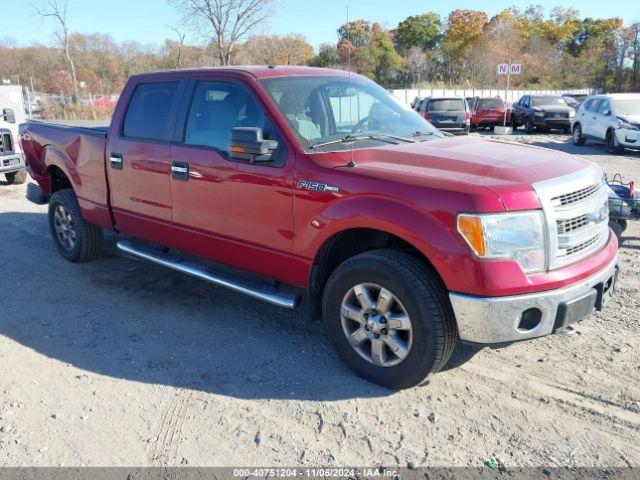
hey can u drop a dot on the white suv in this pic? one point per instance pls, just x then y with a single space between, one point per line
612 119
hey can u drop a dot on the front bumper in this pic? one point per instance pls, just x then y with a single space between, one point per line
495 320
12 163
552 122
628 138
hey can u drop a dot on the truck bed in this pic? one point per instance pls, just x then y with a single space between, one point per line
77 149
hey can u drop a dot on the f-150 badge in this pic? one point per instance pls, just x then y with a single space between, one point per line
316 186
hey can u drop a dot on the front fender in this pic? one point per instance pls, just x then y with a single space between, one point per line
434 235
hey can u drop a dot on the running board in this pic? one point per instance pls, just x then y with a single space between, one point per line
261 291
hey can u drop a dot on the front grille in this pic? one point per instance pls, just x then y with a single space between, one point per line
576 211
557 115
577 196
572 224
582 246
6 142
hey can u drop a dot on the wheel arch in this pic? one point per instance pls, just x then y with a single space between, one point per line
61 171
348 243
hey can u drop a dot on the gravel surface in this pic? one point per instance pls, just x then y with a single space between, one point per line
119 362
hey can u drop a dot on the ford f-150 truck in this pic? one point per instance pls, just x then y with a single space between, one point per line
291 183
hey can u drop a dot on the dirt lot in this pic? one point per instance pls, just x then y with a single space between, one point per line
118 362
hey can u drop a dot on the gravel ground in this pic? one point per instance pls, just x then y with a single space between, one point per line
118 362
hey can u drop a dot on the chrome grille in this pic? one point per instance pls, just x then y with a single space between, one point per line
6 143
576 210
569 225
577 196
582 246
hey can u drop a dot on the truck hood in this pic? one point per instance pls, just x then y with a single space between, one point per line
506 168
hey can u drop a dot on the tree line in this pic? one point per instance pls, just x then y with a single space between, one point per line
558 49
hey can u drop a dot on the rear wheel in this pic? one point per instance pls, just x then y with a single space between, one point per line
76 239
389 318
514 124
16 178
613 147
577 137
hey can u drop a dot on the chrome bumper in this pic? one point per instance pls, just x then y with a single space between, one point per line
5 160
494 320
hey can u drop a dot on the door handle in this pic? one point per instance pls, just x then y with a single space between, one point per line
180 170
116 161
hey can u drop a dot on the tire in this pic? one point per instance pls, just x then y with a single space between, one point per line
417 291
79 241
612 144
514 124
529 126
577 137
16 178
617 229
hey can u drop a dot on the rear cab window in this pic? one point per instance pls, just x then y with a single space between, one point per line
148 115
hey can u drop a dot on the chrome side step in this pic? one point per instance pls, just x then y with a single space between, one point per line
262 292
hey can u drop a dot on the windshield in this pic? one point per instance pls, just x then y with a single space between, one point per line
540 101
627 106
327 109
447 105
490 103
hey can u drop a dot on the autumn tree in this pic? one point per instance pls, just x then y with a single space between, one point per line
57 10
291 49
225 22
421 31
357 32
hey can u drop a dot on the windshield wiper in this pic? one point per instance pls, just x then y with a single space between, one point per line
354 138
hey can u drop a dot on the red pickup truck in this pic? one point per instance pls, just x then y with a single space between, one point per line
289 184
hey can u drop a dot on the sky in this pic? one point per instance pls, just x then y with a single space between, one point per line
148 21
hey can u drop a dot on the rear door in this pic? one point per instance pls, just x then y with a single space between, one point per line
228 210
138 161
448 112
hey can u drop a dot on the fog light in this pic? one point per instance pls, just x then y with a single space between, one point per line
530 319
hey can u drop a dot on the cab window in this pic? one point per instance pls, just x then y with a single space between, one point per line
217 108
149 111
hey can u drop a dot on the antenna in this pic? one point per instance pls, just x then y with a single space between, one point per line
349 92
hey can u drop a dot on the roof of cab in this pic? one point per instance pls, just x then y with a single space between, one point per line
262 71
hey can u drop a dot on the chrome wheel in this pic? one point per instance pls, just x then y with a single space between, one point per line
376 324
65 228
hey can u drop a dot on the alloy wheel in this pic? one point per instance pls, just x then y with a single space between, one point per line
376 324
65 228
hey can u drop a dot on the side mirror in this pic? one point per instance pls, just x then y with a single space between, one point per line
8 115
248 144
606 113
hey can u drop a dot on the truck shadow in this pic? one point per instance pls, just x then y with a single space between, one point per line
128 319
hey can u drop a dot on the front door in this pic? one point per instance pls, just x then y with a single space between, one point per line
138 162
227 210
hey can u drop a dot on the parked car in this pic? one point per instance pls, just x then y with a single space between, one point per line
11 160
404 240
415 104
449 114
489 112
574 99
612 119
544 112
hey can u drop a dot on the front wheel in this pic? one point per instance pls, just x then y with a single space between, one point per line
76 239
16 178
529 126
577 137
389 318
613 147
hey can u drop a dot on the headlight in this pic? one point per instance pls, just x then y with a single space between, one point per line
626 125
572 113
515 236
539 114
